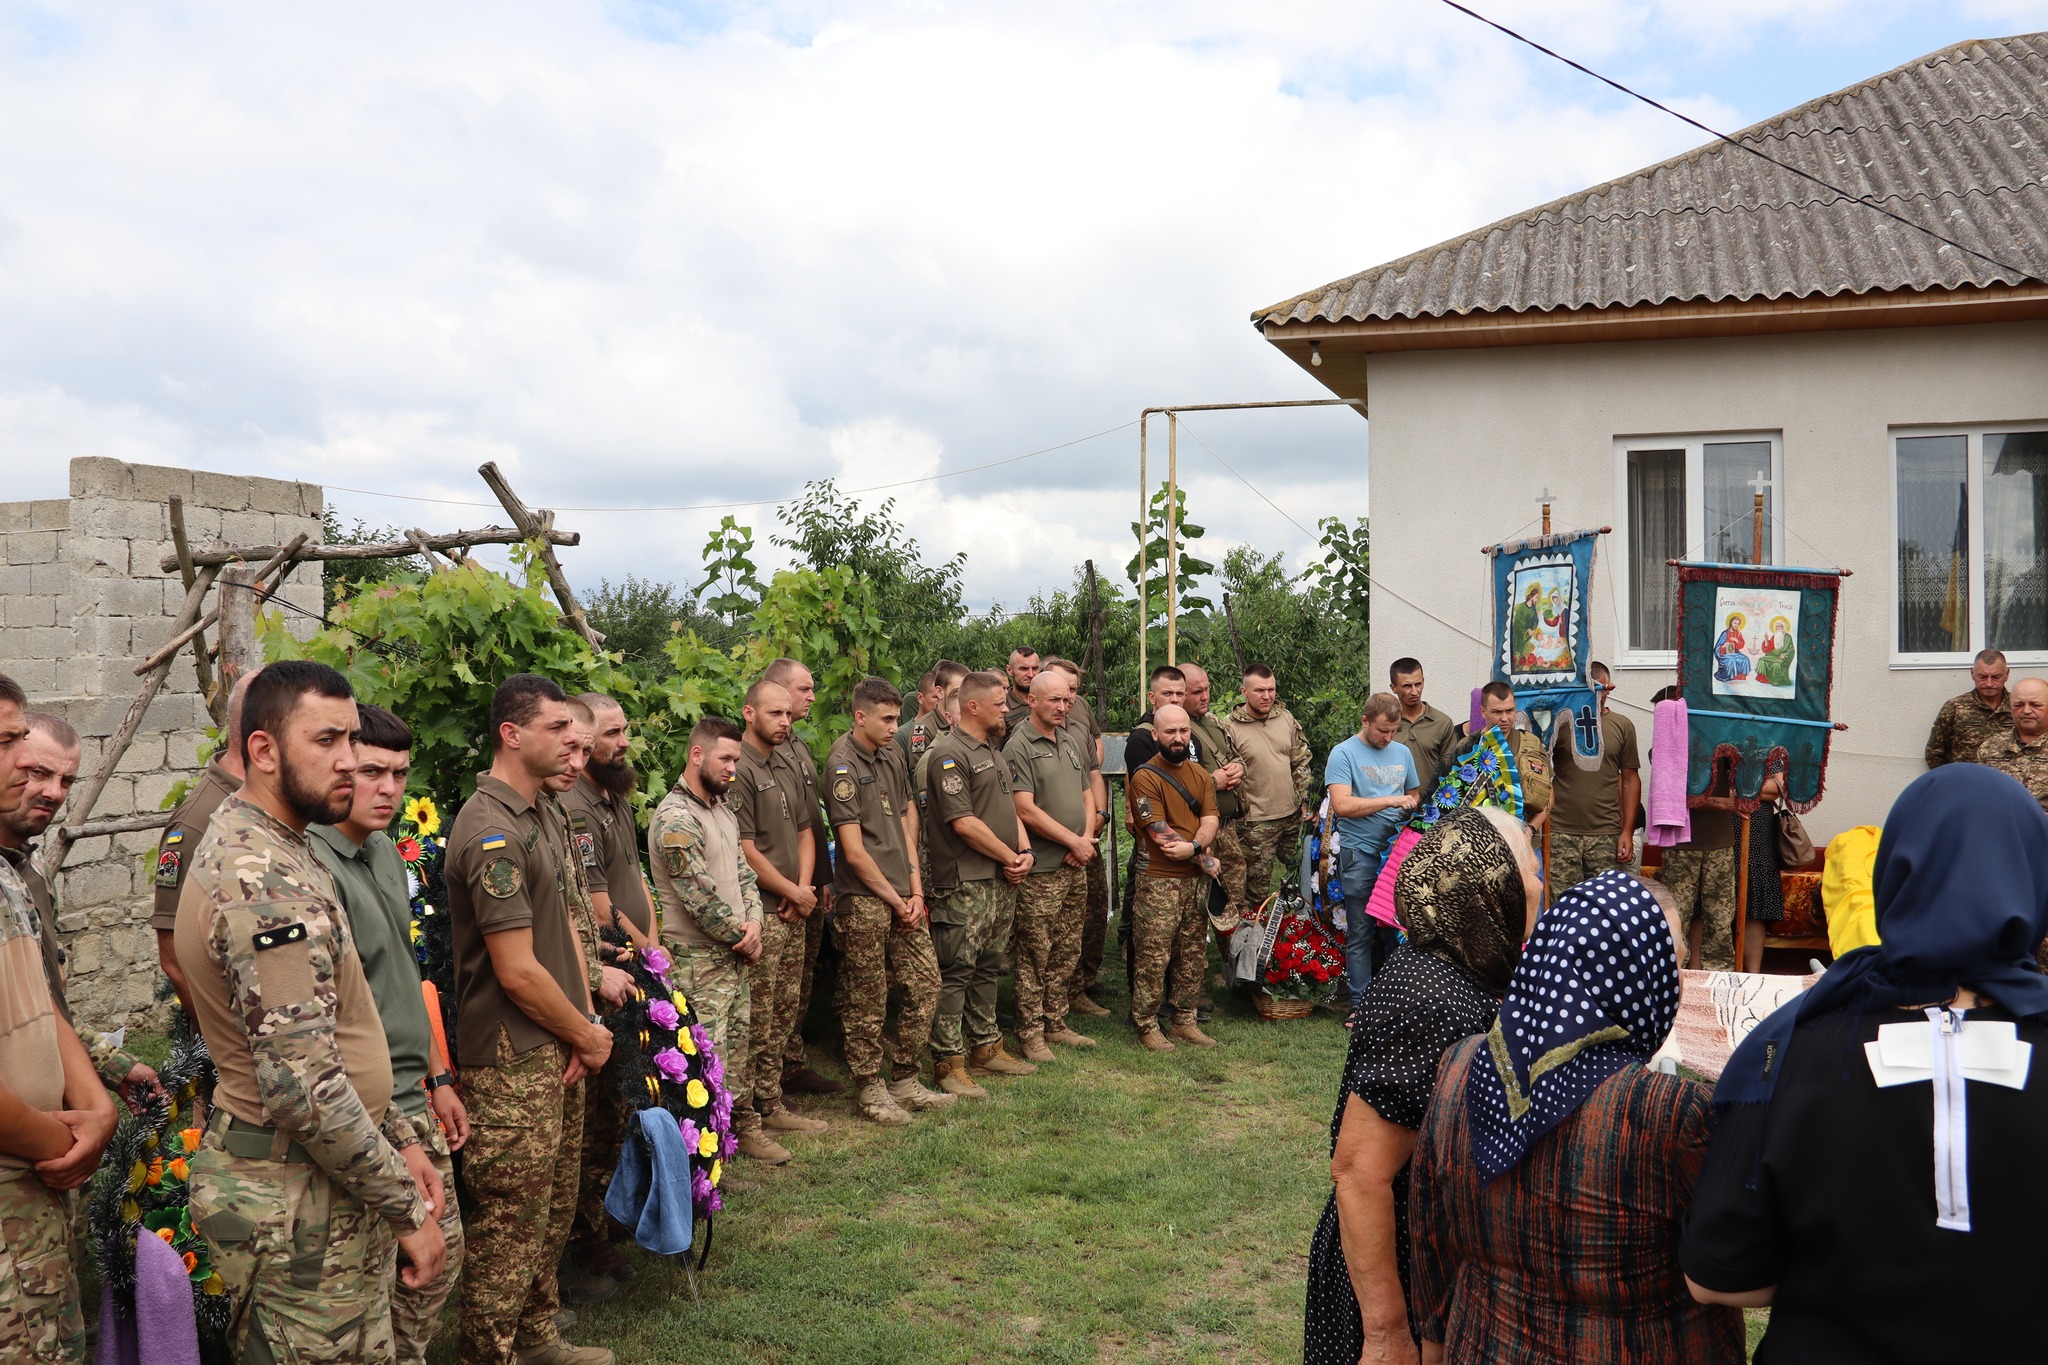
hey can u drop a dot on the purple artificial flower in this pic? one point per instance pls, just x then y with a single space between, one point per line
728 1147
656 961
717 1202
700 1187
721 1112
689 1130
714 1068
663 1014
672 1064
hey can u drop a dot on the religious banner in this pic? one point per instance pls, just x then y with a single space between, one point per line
1756 648
1542 646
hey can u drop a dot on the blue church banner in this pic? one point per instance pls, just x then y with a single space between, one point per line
1542 647
1756 657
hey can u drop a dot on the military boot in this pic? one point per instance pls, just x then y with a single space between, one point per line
1191 1032
782 1119
1153 1040
1035 1049
561 1352
581 1284
910 1094
1081 1004
758 1146
875 1103
954 1080
1066 1037
993 1059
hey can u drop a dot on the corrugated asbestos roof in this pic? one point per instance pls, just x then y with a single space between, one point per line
1957 140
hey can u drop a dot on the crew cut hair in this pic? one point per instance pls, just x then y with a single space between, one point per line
1256 670
519 699
1402 667
980 684
946 672
711 730
274 693
56 727
1168 672
1497 691
782 670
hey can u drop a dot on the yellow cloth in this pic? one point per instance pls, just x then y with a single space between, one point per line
1845 889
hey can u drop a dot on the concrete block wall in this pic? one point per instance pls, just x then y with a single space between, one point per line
82 602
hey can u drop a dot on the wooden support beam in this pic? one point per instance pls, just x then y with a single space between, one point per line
236 598
119 824
187 629
397 549
202 662
540 530
419 540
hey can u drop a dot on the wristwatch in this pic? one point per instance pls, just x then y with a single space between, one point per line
437 1082
1197 845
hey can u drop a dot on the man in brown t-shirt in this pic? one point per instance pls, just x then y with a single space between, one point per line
766 797
607 839
526 1034
1593 813
221 779
881 919
1171 805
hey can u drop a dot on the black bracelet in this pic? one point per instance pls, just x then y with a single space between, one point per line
437 1082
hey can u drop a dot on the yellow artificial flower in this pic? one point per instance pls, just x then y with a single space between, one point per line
179 1169
717 1170
137 1175
420 813
676 998
131 1212
686 1042
707 1143
696 1094
214 1284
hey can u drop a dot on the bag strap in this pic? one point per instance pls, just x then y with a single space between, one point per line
1174 782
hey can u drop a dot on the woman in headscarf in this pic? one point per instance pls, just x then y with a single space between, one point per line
1554 1169
1875 1173
1466 897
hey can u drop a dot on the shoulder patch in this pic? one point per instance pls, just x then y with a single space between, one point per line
842 770
491 841
952 783
948 763
168 867
277 938
586 845
842 788
501 877
176 836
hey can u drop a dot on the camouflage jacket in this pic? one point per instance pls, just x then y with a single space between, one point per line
112 1064
1962 727
707 892
1277 767
2026 762
287 1000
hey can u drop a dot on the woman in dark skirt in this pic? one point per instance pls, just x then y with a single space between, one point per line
1466 897
1766 891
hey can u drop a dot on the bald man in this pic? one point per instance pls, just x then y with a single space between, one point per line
1170 803
2022 752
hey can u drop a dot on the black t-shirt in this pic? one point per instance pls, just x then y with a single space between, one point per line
1841 1216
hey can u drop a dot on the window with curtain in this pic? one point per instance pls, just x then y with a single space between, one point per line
1972 515
1729 471
1656 533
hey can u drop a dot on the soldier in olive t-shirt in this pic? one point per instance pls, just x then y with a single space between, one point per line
1592 814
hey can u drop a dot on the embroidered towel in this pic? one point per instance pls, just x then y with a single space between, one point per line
1669 820
1380 905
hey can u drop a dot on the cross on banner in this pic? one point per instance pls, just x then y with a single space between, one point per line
1588 726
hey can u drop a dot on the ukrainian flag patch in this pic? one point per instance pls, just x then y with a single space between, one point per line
490 841
176 836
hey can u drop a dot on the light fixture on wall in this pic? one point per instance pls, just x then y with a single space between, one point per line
1315 353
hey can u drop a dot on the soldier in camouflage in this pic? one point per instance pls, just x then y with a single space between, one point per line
1095 921
526 1033
1170 804
798 1076
309 1171
1055 801
2022 752
711 906
882 918
1273 748
1965 722
55 1119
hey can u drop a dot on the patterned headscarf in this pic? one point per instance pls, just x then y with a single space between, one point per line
1460 895
1597 989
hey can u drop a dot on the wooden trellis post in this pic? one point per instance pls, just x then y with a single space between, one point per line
536 529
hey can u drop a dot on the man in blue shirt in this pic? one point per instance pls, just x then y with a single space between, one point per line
1373 787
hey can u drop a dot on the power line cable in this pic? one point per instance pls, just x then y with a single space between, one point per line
761 502
1866 200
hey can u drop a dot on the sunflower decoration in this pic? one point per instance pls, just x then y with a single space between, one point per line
420 847
141 1188
662 1056
421 814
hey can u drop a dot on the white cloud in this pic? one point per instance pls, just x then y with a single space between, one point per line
658 255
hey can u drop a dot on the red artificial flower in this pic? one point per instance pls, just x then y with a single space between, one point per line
409 849
1275 975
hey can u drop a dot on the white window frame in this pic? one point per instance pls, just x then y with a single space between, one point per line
1694 444
1973 467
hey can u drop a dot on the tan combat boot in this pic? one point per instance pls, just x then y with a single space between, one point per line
1035 1049
875 1103
954 1080
1153 1040
758 1146
1191 1032
786 1120
1066 1037
1082 1005
560 1352
993 1059
911 1096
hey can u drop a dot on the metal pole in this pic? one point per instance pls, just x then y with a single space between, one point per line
1172 527
1144 531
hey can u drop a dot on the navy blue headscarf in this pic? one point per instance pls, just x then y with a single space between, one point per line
1596 990
1961 891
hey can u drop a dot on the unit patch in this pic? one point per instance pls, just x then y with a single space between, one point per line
842 789
277 938
952 784
586 844
168 864
501 875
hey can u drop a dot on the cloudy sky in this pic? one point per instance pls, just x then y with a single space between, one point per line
649 255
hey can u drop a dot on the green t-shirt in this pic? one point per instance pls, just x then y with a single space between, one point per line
1055 772
373 889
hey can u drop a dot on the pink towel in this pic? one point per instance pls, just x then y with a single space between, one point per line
1477 724
1669 820
1380 905
164 1329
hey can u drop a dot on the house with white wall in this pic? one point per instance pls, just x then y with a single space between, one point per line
1650 351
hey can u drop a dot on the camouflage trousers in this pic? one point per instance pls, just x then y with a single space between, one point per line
1575 858
1051 906
1168 924
39 1313
521 1165
1702 881
604 1131
416 1313
875 957
307 1266
715 980
793 1055
1094 928
775 989
970 931
1248 849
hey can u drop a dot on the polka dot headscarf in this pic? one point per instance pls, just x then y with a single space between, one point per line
1596 989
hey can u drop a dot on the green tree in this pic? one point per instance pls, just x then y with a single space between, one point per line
1185 569
340 578
1345 569
729 567
638 616
921 602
